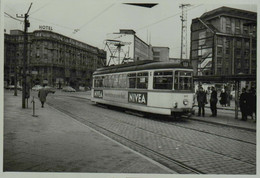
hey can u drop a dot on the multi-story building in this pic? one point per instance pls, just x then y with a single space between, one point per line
223 42
160 53
125 46
53 59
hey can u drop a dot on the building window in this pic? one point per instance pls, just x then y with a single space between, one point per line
220 40
156 58
227 51
238 52
219 51
247 43
219 70
246 53
228 29
228 25
219 61
156 53
238 43
237 26
227 70
245 30
238 63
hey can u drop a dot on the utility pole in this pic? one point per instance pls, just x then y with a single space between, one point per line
26 25
184 30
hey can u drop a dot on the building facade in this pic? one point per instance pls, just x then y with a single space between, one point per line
160 53
223 42
53 59
125 46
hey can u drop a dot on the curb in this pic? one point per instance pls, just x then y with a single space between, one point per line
206 121
222 124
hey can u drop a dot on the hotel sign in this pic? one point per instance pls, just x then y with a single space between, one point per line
45 27
137 97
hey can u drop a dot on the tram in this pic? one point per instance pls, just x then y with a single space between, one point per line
164 88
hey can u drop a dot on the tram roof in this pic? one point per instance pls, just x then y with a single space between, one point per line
141 65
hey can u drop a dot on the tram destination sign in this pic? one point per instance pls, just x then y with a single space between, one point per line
137 97
98 93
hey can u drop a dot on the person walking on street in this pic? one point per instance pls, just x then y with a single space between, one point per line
202 100
213 102
42 95
243 99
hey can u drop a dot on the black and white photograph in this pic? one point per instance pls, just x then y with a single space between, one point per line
128 88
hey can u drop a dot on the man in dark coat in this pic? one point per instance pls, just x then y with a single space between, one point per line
202 100
244 104
213 102
42 95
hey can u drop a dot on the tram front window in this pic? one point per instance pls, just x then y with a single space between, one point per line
183 80
162 80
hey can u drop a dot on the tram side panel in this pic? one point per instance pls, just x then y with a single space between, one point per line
153 102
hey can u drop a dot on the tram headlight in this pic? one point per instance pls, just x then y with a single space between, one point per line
185 102
175 104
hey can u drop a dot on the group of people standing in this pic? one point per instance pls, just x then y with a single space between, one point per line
202 100
247 101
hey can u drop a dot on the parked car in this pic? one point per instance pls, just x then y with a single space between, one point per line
68 89
50 89
36 88
10 87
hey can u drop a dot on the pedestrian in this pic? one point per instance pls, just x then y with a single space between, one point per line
213 102
42 95
227 89
251 102
202 100
223 98
243 102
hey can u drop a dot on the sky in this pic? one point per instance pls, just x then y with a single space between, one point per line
94 20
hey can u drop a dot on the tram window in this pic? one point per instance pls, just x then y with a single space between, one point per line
115 81
142 80
131 80
162 80
98 81
106 81
183 80
122 81
110 81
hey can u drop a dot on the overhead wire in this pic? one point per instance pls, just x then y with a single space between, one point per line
10 16
78 29
165 19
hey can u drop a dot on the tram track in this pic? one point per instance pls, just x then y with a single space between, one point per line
165 160
158 157
194 129
210 133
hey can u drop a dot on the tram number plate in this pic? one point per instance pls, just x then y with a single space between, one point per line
98 93
140 98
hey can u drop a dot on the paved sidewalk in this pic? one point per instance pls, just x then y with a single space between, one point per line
54 142
226 115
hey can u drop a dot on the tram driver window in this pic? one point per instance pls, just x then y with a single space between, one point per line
142 80
162 80
98 82
183 80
